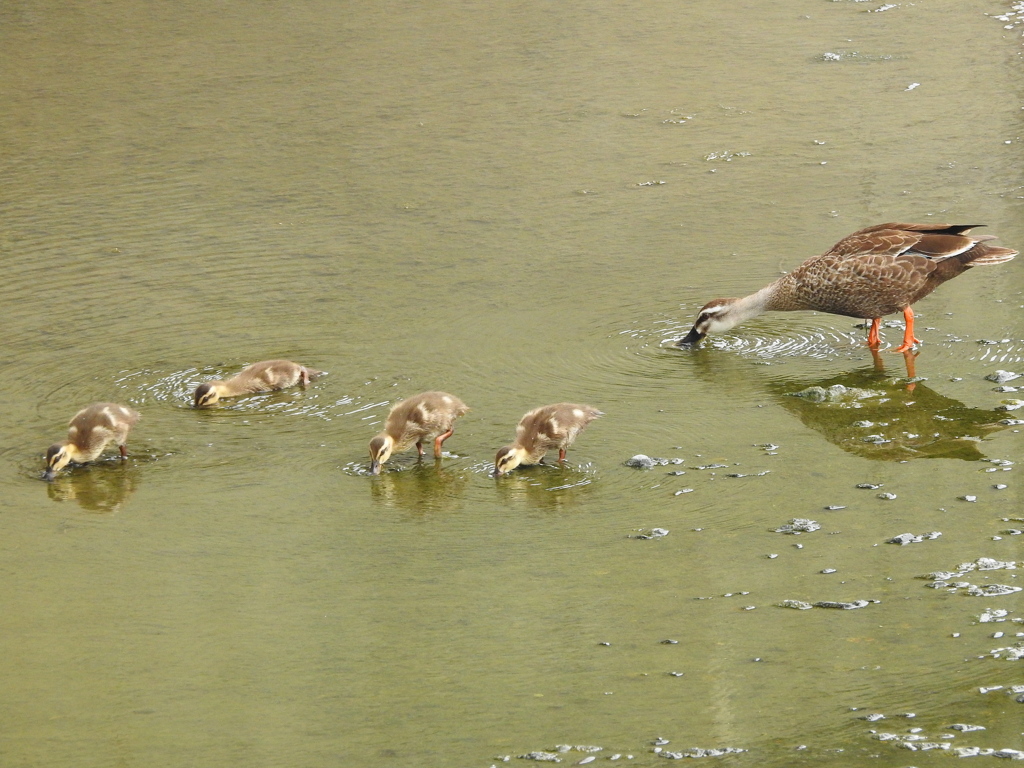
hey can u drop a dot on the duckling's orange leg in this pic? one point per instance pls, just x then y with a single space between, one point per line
561 455
909 339
419 447
439 440
874 340
124 451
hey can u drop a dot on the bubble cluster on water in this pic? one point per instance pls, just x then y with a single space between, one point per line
1013 18
916 739
837 394
803 605
844 55
650 533
726 155
697 752
798 525
561 752
910 538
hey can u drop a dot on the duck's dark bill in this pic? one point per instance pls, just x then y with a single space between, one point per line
690 339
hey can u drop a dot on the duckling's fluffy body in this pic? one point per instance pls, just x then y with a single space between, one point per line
426 416
544 429
874 272
266 376
89 432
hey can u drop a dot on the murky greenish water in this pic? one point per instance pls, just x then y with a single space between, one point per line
519 204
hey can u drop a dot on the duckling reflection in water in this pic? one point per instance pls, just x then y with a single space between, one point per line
544 429
874 272
870 415
426 416
547 491
421 489
89 432
105 488
266 376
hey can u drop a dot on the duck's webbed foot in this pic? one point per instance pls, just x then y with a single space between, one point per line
909 339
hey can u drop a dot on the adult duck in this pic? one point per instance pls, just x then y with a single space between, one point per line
871 273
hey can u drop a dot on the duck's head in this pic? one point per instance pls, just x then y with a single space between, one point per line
714 317
206 394
508 458
57 457
380 451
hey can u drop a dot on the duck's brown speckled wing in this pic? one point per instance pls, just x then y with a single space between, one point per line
869 285
884 269
936 241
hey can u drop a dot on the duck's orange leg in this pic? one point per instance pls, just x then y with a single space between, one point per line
439 440
909 339
874 340
419 447
561 455
124 451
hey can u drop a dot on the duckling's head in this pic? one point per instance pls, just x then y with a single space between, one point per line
714 317
508 458
206 394
57 457
380 451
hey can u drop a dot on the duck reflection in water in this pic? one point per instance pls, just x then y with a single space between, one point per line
103 488
421 488
878 417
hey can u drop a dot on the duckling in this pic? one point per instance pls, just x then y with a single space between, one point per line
258 377
88 434
543 429
871 273
428 415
